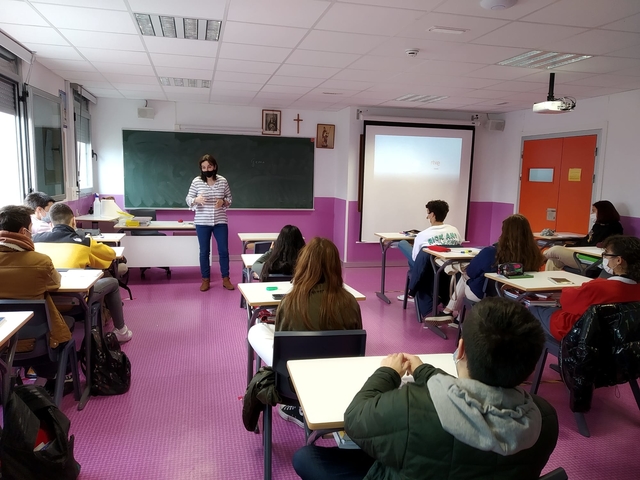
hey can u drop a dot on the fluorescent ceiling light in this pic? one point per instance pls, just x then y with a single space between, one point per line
213 30
178 27
168 25
454 31
413 97
192 82
191 28
164 81
540 59
178 82
144 22
206 84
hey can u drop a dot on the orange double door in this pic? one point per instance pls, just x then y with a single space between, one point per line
556 183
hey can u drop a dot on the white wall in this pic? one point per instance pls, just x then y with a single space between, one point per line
618 167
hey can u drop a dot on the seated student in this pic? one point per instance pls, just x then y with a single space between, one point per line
515 245
40 203
282 256
480 425
605 221
29 275
316 302
68 250
621 259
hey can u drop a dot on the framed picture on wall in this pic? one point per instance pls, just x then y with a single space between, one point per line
325 136
271 122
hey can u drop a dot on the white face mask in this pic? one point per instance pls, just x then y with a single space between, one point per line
592 220
605 265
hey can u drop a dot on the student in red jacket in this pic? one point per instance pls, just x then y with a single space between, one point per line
621 259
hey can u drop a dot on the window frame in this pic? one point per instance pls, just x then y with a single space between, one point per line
81 110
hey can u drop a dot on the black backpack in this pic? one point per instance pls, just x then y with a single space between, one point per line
110 367
29 408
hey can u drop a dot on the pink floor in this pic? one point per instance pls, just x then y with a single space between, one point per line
182 417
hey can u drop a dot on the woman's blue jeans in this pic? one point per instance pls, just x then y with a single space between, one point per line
221 233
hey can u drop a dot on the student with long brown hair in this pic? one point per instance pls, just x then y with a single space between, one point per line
316 302
515 245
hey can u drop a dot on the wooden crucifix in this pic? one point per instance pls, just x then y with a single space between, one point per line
298 120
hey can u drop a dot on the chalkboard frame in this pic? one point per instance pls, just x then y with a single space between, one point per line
304 183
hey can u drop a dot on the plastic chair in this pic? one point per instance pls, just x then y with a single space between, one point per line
38 329
301 346
144 212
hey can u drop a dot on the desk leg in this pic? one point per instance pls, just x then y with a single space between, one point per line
86 394
252 314
6 367
384 247
434 299
244 247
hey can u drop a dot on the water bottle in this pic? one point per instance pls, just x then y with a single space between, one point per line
97 210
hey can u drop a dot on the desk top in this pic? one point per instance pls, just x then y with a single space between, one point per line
540 281
325 387
13 321
160 225
256 293
119 251
109 237
558 236
394 236
454 254
258 237
97 218
593 251
248 259
78 280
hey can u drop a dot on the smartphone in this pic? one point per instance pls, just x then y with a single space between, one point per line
561 281
278 296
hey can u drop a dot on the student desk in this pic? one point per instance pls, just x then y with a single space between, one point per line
590 251
78 283
257 297
119 252
114 238
556 238
456 255
164 250
387 241
325 387
9 326
106 221
247 238
248 259
539 283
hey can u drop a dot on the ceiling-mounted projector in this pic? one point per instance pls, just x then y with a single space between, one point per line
553 105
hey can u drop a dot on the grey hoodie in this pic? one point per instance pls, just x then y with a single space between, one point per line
500 420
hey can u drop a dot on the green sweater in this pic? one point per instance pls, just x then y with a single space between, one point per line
403 431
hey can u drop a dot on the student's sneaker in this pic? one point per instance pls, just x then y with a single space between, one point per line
123 335
401 298
292 414
50 385
440 317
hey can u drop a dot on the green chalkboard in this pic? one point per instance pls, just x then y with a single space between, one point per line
263 172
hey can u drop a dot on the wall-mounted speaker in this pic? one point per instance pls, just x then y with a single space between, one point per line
495 125
146 112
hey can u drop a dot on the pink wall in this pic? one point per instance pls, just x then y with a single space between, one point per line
485 221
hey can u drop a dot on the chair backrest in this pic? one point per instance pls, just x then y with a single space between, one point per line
37 328
261 247
278 277
602 349
306 345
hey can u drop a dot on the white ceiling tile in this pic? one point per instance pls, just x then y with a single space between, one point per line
628 24
501 72
91 84
600 65
585 13
321 59
347 85
291 13
219 94
182 61
473 53
307 71
445 68
124 68
213 10
631 52
54 51
595 42
365 19
184 73
363 75
475 27
249 87
20 13
332 94
228 99
65 64
527 35
369 95
88 18
238 51
473 8
105 93
483 93
181 46
408 4
267 35
295 81
105 4
31 34
115 41
542 76
137 87
202 92
79 76
226 64
114 56
241 77
187 98
389 64
605 81
443 80
340 42
519 87
630 71
401 104
285 89
142 95
137 79
525 97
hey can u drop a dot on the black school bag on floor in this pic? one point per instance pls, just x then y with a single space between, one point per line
28 408
110 367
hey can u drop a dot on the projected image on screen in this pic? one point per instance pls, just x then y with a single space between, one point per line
405 167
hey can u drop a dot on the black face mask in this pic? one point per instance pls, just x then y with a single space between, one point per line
209 173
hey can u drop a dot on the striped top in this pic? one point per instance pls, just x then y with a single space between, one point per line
208 214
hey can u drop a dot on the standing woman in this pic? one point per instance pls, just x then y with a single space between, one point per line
209 196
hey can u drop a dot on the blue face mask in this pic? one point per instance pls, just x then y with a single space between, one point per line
455 356
47 218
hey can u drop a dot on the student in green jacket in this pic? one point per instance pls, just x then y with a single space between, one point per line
480 425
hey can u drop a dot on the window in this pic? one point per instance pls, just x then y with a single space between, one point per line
11 191
47 145
83 143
